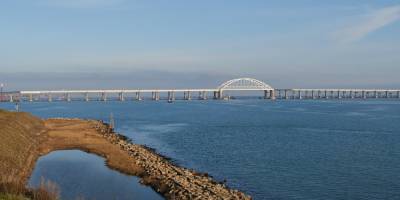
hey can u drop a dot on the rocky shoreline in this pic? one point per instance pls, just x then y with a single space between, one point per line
168 179
25 138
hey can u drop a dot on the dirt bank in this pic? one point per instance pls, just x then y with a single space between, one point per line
92 136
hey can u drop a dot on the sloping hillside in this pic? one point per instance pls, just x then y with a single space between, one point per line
18 140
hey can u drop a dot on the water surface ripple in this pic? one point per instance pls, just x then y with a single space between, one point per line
270 150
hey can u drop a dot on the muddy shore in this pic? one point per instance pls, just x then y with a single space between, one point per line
171 181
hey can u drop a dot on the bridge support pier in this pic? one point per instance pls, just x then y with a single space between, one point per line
138 98
11 98
68 97
155 96
364 95
387 94
286 94
171 96
216 95
202 95
30 97
49 98
299 94
86 96
272 95
187 95
103 96
121 96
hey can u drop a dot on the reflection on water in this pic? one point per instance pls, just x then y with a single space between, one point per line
79 174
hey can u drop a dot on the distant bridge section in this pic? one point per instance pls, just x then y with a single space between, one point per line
240 84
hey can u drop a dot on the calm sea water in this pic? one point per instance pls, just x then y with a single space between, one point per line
270 150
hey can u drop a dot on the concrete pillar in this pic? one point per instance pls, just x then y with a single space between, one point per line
351 94
68 97
103 96
299 94
121 96
286 94
364 96
326 94
386 94
171 96
215 95
30 97
189 95
86 96
272 95
11 98
204 96
312 94
50 98
338 94
153 96
265 94
137 96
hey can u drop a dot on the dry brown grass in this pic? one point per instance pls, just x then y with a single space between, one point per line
19 140
12 187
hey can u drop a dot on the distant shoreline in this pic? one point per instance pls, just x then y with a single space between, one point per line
171 181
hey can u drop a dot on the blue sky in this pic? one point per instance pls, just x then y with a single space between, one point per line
300 43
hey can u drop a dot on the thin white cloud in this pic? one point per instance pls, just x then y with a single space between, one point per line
371 22
81 3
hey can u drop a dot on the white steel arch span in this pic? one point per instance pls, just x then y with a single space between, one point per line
245 84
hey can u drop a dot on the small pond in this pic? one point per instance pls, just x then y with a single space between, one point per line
80 174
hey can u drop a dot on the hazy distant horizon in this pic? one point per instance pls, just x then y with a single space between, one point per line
167 80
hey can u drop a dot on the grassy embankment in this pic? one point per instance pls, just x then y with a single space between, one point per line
20 135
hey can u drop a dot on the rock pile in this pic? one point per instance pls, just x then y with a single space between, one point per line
166 178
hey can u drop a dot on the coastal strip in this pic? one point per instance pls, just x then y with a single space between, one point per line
168 179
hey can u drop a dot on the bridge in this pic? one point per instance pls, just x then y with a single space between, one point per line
240 84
